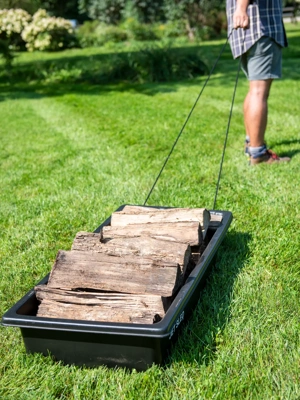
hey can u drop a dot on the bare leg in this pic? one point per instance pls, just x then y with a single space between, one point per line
256 111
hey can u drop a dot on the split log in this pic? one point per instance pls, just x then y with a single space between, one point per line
82 269
87 241
146 215
184 232
100 306
142 246
215 219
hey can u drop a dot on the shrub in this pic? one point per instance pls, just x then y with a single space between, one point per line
110 33
93 33
204 33
86 34
88 28
171 29
48 33
6 53
150 64
162 63
155 63
12 23
139 31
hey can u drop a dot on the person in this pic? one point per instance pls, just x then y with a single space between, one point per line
257 35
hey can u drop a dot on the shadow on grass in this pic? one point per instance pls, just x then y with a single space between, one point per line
290 153
199 339
99 74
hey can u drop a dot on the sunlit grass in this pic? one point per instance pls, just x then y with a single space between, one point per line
71 154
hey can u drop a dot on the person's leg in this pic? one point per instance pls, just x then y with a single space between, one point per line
256 111
261 64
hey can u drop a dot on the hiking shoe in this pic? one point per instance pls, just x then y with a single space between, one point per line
268 157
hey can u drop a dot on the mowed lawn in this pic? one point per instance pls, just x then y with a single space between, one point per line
71 153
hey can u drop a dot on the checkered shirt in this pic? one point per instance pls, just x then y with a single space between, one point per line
265 20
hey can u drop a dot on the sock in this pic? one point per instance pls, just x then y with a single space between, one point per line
247 140
256 152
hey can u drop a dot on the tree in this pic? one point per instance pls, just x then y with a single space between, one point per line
112 11
30 6
66 9
177 9
108 11
195 13
148 10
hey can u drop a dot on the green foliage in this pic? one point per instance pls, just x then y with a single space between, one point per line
112 11
88 27
86 34
176 10
147 10
66 9
107 11
209 5
31 6
171 29
197 14
110 33
93 34
162 64
139 18
216 20
140 63
139 31
87 40
6 53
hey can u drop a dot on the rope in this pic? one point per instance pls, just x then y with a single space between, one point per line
187 119
227 131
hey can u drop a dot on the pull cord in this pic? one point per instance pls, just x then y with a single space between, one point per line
226 135
187 119
228 124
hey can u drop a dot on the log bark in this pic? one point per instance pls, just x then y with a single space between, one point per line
82 269
147 215
100 306
142 246
184 232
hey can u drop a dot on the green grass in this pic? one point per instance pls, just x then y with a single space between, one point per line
72 153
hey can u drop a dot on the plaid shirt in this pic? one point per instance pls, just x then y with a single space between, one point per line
265 20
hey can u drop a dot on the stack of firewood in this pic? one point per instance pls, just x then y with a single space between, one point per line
130 271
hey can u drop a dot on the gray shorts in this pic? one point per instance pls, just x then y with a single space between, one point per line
263 60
